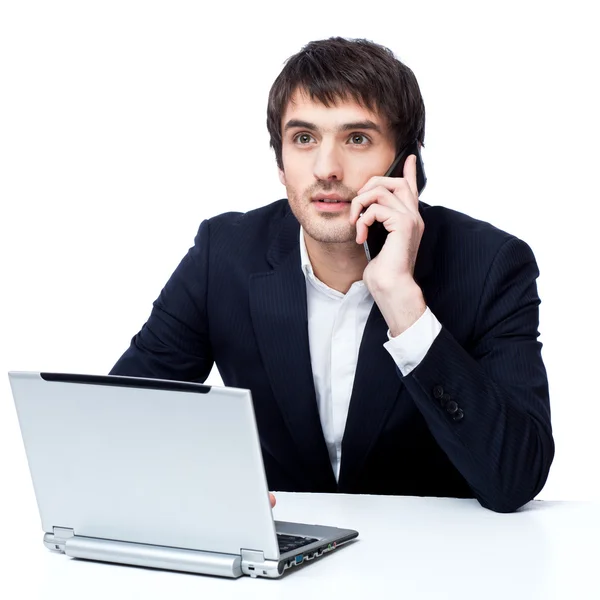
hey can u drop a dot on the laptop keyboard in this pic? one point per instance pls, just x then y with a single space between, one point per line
287 543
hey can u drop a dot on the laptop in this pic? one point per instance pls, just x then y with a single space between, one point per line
156 473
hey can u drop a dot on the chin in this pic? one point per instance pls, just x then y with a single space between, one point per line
329 233
323 228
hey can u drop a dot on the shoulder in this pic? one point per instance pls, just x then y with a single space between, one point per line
268 216
257 223
457 233
243 237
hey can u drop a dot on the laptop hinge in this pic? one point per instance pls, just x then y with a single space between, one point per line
58 538
252 560
253 555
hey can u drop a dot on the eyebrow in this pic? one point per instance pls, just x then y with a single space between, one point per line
367 124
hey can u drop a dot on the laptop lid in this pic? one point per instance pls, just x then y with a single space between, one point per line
145 460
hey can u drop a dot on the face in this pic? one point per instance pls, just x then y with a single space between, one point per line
328 154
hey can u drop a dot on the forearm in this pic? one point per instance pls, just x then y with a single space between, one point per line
401 303
498 437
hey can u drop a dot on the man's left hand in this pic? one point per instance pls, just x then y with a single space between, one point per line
394 202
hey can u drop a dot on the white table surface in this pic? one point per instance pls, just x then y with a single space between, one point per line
411 548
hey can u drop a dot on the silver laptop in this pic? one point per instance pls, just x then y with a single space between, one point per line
156 473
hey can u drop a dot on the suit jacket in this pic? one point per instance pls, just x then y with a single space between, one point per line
472 419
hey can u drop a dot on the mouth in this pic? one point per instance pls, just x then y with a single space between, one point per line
330 199
331 205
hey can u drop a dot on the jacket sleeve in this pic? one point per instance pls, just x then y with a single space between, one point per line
487 405
174 342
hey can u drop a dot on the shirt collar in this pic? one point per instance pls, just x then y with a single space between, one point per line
304 259
310 276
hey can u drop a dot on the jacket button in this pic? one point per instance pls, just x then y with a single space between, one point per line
458 415
438 391
451 407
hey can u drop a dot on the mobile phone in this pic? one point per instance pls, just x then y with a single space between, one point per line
377 232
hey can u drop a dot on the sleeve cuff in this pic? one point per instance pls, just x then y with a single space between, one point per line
410 347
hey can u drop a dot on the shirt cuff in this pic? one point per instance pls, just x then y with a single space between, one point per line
410 347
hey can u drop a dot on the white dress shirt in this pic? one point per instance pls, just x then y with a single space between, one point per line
336 323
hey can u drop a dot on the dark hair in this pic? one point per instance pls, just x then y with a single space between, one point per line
340 69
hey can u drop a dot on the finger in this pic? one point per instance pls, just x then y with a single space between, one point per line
376 181
390 183
410 174
379 195
375 212
273 500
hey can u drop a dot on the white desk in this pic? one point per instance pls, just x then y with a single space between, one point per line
408 548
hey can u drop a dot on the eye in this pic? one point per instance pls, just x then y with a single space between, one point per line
359 139
303 139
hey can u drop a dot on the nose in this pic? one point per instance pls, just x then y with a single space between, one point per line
327 166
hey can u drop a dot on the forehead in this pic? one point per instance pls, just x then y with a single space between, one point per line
302 107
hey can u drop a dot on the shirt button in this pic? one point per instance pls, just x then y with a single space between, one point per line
438 391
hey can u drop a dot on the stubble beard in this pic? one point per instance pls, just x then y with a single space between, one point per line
323 227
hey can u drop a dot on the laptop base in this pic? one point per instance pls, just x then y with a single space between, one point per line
146 555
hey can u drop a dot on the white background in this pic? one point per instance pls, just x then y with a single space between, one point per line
124 124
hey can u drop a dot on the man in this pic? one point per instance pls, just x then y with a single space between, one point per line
418 373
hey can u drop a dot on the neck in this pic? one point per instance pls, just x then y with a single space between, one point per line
336 265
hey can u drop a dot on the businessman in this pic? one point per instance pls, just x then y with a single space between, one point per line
417 373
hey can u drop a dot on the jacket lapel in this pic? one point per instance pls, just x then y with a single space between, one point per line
376 387
377 382
279 316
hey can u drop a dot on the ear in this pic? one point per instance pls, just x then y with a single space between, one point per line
281 177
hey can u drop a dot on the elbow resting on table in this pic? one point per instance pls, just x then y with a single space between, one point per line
521 485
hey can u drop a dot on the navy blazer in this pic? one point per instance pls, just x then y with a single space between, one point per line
471 420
